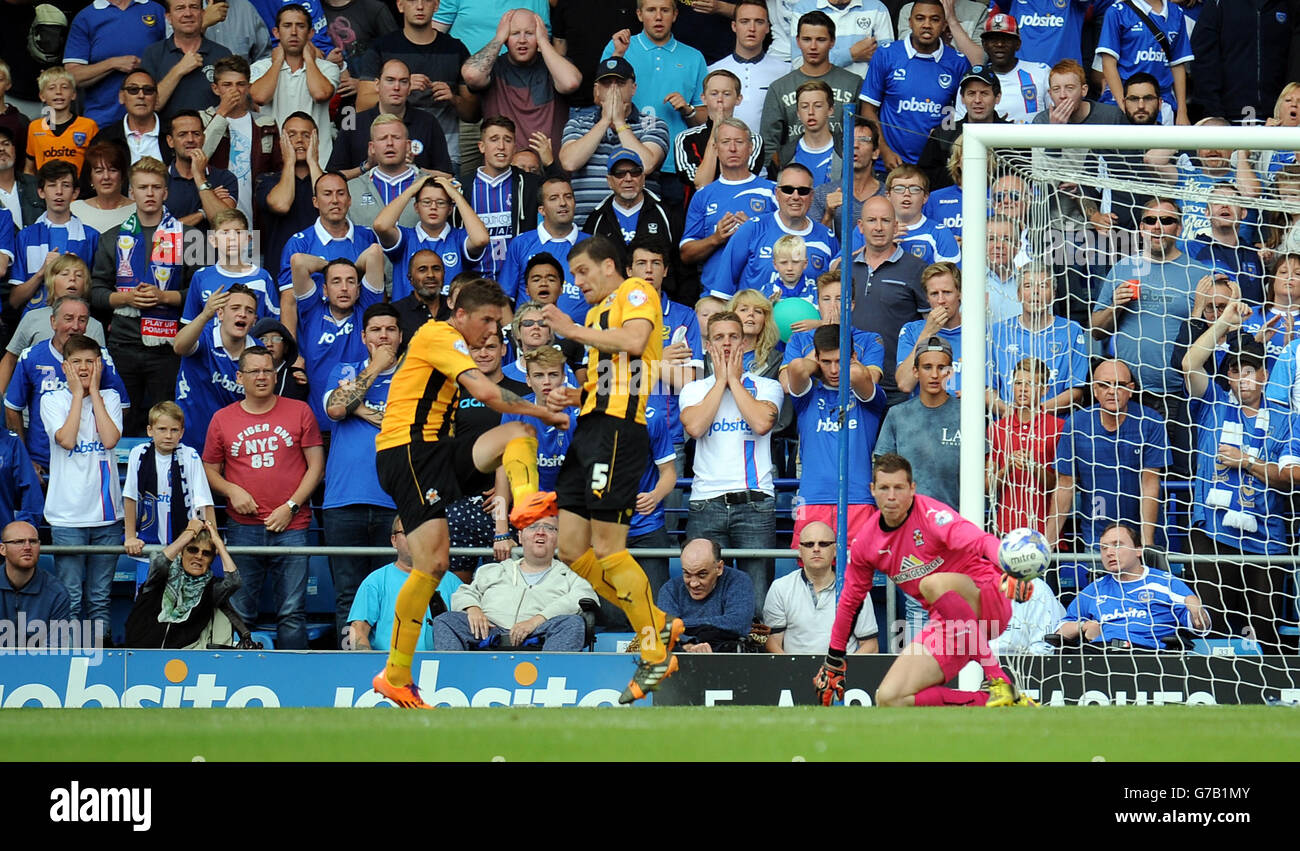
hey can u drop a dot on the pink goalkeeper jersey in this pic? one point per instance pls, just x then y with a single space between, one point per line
933 539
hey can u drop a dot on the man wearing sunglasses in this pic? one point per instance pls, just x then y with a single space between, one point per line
629 211
746 262
140 133
800 606
1143 303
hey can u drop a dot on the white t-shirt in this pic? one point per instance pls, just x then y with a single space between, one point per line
191 471
84 489
807 616
240 131
730 457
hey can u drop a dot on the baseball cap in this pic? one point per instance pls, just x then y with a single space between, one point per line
615 66
934 344
984 74
1001 23
624 155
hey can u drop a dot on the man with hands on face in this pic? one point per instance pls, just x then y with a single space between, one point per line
731 415
285 200
352 154
196 192
591 137
206 381
434 198
263 454
84 503
296 78
527 82
388 172
672 77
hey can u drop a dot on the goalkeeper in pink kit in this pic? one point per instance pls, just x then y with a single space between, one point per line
950 566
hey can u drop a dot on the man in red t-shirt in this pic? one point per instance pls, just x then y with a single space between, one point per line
264 455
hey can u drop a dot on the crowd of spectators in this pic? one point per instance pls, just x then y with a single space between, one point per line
221 223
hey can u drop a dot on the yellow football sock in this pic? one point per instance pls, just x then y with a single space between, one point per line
633 595
412 605
589 568
520 462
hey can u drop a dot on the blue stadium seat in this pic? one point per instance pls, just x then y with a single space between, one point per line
607 642
1225 647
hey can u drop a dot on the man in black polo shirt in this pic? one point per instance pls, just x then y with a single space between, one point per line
428 145
182 64
434 59
196 191
284 201
887 292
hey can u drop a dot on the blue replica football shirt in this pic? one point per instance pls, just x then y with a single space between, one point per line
819 446
1107 465
552 443
350 475
1050 30
101 31
944 207
1128 39
818 162
754 196
531 243
207 280
746 261
680 324
41 237
1143 611
1231 506
1062 346
205 383
912 90
325 341
661 452
451 244
316 241
493 200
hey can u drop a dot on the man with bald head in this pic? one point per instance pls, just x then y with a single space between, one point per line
426 272
352 154
887 291
715 602
800 607
1114 452
527 82
34 596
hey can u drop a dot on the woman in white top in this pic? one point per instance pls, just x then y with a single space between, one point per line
106 169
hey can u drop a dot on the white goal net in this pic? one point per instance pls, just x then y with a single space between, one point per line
1141 315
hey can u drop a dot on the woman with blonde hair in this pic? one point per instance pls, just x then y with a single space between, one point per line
761 335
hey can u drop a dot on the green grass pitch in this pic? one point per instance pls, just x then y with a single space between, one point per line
1073 734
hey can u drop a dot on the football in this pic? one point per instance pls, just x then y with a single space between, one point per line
1024 553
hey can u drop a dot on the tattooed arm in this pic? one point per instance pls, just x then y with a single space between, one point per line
347 397
477 70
